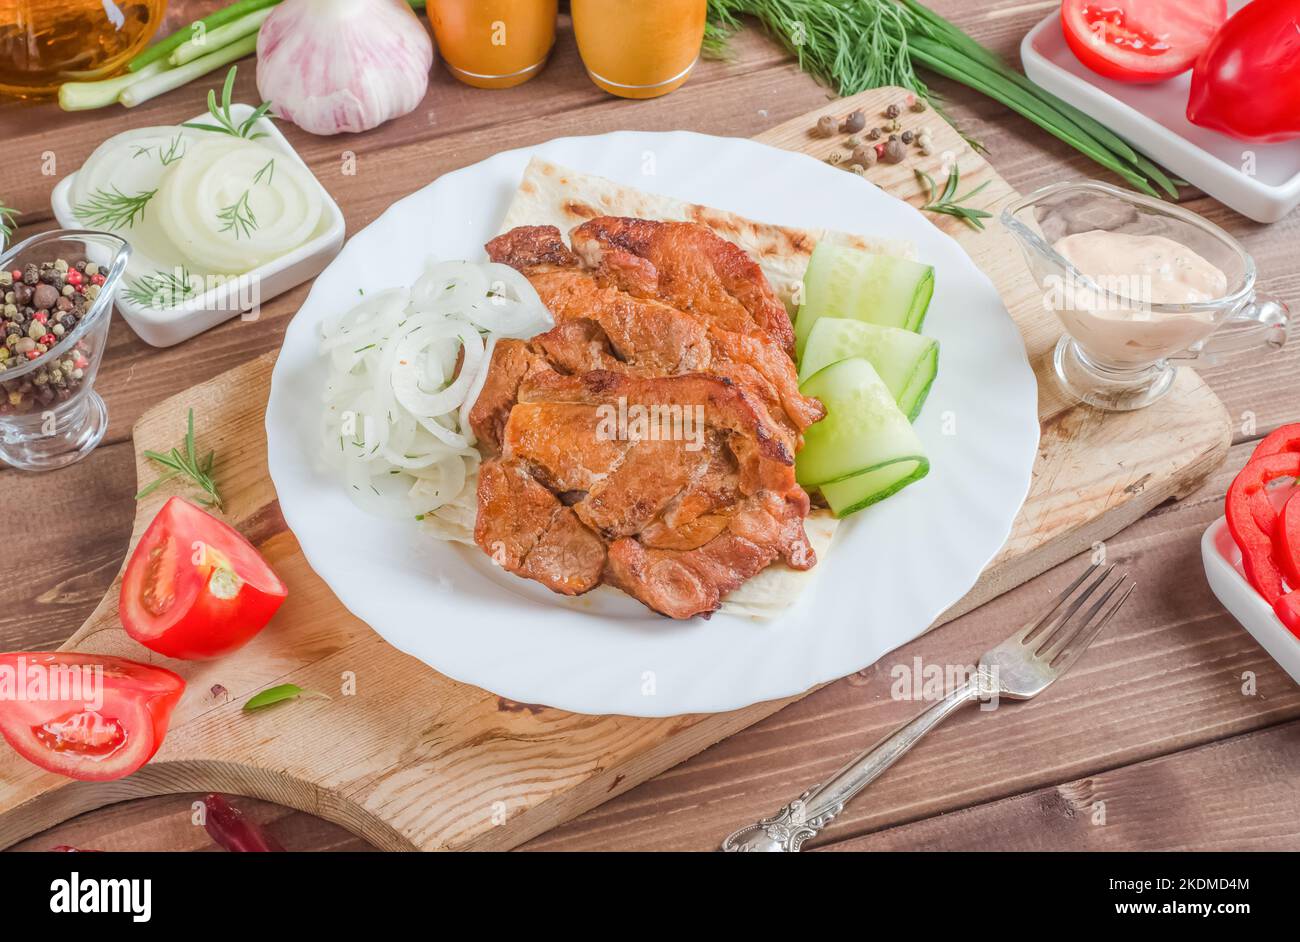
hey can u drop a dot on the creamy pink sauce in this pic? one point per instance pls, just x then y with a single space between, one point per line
1150 269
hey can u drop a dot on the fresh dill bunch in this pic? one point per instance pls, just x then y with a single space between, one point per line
851 45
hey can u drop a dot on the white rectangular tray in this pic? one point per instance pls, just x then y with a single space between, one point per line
168 326
1222 569
1261 181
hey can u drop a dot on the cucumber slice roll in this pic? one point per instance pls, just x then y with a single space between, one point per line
864 434
907 362
878 289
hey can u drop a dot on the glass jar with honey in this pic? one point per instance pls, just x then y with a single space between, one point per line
44 43
494 43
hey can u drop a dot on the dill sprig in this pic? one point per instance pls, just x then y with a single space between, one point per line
7 226
948 202
161 289
113 209
225 120
173 153
184 462
238 217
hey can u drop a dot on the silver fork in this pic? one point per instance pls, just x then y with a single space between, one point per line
1021 667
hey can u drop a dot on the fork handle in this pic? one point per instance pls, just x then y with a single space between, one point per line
814 809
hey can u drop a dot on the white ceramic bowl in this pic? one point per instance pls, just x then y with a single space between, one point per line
1223 570
238 296
1153 119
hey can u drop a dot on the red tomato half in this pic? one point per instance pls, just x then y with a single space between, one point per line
86 716
1140 40
195 588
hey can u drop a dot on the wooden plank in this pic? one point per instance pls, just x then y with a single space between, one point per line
1234 795
1165 676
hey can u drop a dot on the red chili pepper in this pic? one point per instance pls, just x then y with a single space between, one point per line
228 826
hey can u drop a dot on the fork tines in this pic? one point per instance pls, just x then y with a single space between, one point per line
1057 630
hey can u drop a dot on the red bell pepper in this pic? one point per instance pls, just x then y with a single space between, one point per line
1246 83
1252 526
1269 541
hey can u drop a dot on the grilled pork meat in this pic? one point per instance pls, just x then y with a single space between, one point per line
685 508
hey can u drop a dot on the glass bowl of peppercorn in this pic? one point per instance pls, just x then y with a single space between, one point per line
58 290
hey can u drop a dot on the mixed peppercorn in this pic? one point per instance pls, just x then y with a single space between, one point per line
887 143
43 304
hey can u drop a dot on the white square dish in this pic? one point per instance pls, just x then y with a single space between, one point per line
239 295
1153 119
1222 559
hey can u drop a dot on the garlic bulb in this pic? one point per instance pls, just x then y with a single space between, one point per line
342 65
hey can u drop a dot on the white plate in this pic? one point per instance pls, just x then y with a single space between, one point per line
1153 119
1222 561
165 327
893 569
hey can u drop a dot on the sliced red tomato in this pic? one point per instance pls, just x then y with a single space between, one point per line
195 588
86 716
1140 40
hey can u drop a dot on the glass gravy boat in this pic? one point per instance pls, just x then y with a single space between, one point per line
1120 348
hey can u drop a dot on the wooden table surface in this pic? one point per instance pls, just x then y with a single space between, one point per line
1176 731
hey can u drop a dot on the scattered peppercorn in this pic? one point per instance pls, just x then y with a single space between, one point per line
825 125
895 151
863 156
918 105
892 112
907 137
873 134
854 122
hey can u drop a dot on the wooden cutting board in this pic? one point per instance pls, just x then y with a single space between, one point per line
409 759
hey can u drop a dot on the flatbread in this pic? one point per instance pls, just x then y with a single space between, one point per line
551 195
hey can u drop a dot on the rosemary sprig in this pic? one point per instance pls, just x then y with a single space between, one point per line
948 202
184 462
113 209
238 217
7 227
161 289
225 120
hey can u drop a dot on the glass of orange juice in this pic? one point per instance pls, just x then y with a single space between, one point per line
494 43
639 48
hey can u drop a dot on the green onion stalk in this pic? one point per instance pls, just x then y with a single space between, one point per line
855 45
204 46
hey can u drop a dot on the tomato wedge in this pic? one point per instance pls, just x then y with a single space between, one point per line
1140 40
195 588
86 716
